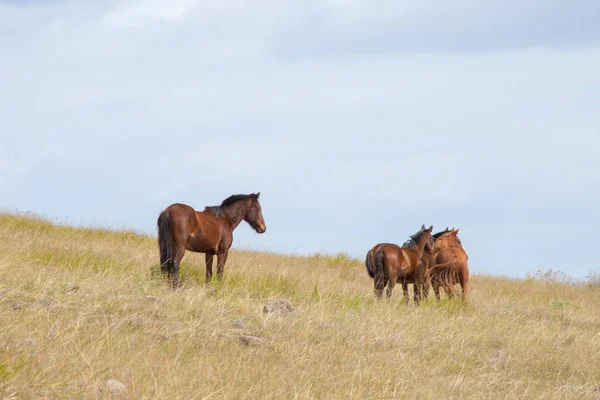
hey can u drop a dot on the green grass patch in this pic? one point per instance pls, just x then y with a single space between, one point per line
79 260
563 304
335 259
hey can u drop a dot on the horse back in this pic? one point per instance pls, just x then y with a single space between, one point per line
212 233
183 220
400 262
450 253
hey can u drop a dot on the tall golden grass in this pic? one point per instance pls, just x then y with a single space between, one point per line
79 307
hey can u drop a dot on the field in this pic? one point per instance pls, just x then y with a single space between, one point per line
82 315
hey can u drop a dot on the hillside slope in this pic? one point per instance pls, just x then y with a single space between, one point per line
79 307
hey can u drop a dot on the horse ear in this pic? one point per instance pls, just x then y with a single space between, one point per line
257 195
456 231
423 227
430 228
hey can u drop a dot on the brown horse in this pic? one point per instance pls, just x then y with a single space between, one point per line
449 238
426 258
450 266
180 227
395 264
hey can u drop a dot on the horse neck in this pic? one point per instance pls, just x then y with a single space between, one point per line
421 247
235 213
444 244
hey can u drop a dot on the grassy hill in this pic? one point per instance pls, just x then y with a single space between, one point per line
79 307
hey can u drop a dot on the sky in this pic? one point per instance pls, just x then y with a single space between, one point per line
358 121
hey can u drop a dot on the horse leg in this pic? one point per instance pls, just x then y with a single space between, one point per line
418 288
405 291
418 284
379 283
463 277
426 288
449 291
436 291
209 262
390 286
426 281
174 273
421 282
221 260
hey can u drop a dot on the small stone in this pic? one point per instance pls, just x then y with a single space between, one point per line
165 337
115 386
249 340
46 303
152 299
241 324
72 289
278 306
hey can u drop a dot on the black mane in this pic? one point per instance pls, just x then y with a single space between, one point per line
437 235
219 211
411 243
235 198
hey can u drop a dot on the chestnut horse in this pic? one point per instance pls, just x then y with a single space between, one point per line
180 227
442 240
449 238
449 266
426 258
394 263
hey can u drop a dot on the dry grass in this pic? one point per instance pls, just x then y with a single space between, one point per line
80 306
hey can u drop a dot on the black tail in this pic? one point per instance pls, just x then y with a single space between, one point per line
165 242
369 264
379 264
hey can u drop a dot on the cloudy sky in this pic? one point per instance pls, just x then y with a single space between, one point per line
357 120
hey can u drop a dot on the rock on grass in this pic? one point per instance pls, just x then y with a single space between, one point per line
278 306
114 386
249 340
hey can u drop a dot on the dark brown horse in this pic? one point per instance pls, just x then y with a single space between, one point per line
426 258
395 264
449 266
180 227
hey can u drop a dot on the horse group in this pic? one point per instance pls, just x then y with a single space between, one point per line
425 259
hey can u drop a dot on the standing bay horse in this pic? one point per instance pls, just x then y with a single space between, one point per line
180 227
426 258
449 266
394 263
